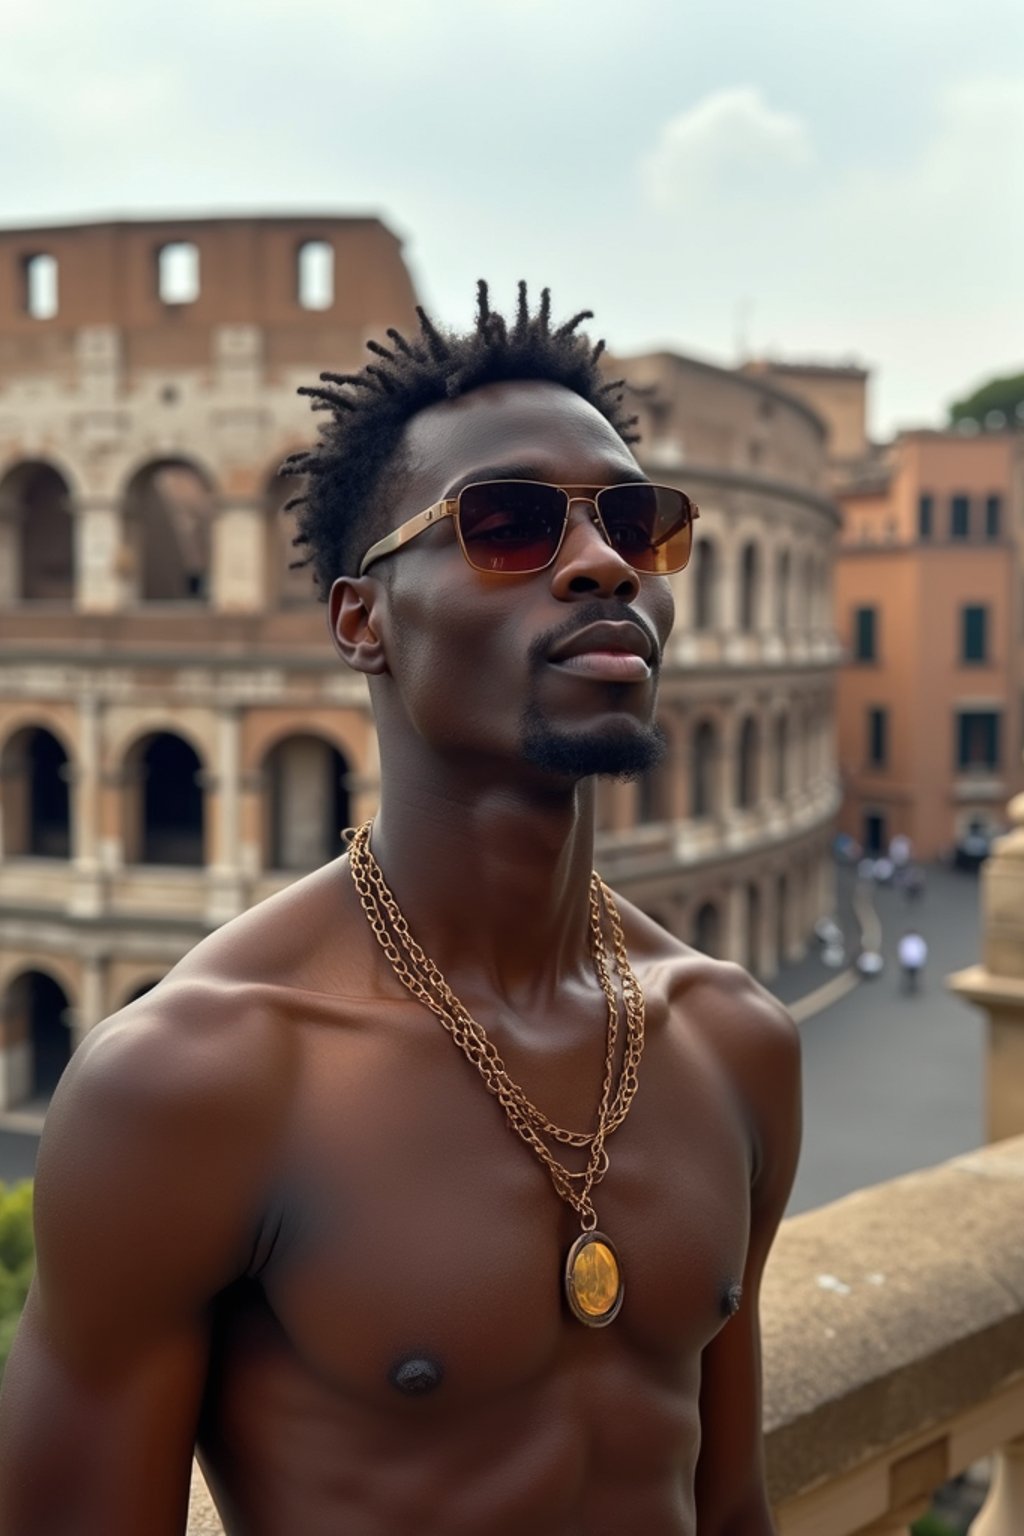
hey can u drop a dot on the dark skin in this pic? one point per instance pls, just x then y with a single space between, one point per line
278 1212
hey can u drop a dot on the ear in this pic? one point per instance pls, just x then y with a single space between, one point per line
352 608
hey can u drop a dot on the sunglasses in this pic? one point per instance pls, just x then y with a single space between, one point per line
516 527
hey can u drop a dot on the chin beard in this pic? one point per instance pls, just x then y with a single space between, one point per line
623 753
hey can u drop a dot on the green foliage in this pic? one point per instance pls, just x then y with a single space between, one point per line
16 1259
1003 396
933 1525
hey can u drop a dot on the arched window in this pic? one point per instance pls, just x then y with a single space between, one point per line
34 787
177 272
704 801
169 509
307 803
40 290
782 591
747 764
36 498
781 755
36 1011
750 589
705 595
164 802
707 934
314 274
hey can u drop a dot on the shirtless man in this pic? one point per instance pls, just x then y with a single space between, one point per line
286 1210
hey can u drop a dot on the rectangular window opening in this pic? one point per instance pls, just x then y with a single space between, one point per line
978 741
960 517
315 275
178 272
974 632
40 278
993 516
865 638
878 737
925 512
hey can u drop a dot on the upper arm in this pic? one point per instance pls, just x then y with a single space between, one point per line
731 1496
148 1191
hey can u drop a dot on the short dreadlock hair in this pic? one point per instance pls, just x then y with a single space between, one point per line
353 463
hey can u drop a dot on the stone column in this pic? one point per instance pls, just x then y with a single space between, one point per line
87 893
92 1007
238 558
226 894
105 577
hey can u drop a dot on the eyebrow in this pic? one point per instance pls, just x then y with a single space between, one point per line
529 472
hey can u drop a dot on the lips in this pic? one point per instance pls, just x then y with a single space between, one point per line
607 652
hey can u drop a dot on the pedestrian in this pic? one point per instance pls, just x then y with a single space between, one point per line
913 952
313 1200
900 849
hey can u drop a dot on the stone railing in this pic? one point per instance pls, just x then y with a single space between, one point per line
894 1351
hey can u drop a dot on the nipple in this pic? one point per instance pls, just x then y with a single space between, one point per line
414 1376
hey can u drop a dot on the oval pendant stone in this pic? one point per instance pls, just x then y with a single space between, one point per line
593 1280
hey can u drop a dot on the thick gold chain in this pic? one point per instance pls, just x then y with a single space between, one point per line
422 978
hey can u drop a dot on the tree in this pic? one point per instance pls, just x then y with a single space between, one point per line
992 406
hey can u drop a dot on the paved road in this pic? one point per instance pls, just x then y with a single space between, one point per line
894 1083
890 1083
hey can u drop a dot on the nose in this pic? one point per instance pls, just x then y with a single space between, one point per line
587 565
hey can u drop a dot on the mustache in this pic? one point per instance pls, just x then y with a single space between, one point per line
601 609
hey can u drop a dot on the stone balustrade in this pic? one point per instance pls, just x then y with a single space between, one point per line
893 1328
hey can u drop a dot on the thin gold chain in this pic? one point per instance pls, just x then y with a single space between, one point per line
422 978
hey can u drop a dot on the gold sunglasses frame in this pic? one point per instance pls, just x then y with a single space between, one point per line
450 505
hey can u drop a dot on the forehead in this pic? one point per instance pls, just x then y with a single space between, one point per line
541 427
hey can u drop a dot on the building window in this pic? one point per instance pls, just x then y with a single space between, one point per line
177 267
925 509
865 636
878 737
39 274
993 516
977 741
315 275
974 633
960 518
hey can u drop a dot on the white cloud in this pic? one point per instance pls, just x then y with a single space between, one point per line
730 144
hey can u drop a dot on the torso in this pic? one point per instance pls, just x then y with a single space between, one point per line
399 1356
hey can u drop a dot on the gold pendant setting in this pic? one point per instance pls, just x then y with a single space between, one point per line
593 1280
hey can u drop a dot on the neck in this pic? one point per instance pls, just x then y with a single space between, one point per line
492 878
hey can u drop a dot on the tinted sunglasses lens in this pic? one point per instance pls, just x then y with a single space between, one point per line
511 525
650 526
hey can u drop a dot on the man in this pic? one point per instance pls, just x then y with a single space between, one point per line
913 952
435 1192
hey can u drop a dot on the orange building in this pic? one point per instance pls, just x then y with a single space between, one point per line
929 607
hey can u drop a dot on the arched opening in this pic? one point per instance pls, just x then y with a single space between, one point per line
747 764
307 803
781 756
704 783
37 1039
164 802
753 905
705 593
177 272
169 510
750 589
782 591
654 790
34 787
314 274
288 588
35 497
707 927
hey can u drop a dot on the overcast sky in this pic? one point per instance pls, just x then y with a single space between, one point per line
810 179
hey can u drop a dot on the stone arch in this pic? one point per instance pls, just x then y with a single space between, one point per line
306 803
705 756
164 801
707 585
35 795
748 763
751 580
655 795
169 506
349 731
36 1034
707 929
39 547
285 588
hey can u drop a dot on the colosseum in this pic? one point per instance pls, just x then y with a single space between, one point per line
177 738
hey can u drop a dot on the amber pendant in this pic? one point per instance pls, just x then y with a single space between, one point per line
593 1279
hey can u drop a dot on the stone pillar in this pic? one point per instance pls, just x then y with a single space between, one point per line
92 1006
226 895
104 562
87 894
238 559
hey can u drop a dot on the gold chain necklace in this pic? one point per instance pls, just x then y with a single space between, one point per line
593 1275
